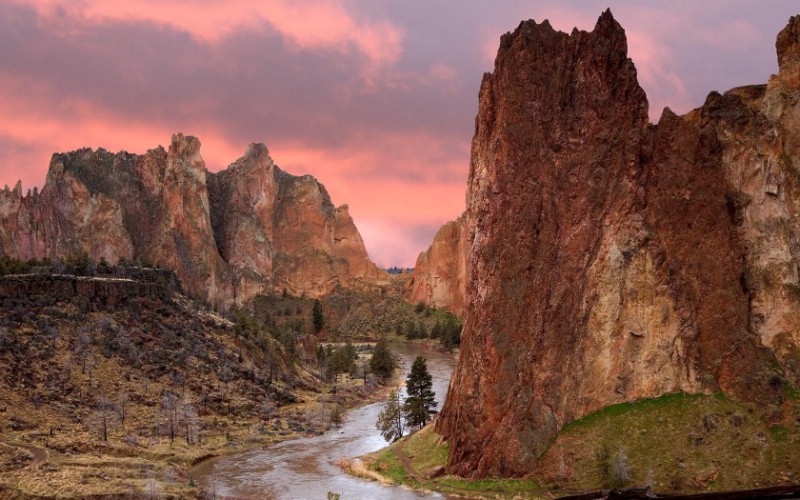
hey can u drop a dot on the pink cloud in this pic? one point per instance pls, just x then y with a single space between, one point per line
311 24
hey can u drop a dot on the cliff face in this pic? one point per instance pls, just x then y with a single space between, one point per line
99 292
613 259
439 278
228 236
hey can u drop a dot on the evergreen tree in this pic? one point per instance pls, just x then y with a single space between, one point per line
382 362
338 361
436 331
390 420
420 400
317 317
352 354
422 332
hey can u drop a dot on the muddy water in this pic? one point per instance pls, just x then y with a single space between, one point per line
307 468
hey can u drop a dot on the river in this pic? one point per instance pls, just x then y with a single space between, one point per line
307 468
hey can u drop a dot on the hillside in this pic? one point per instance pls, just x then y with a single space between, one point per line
120 382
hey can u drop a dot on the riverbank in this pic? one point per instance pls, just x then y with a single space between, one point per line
677 444
309 467
418 460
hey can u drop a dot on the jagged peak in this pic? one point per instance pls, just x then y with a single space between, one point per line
184 145
606 28
256 149
16 191
606 19
787 45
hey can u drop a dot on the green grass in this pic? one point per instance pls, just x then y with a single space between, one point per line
677 443
426 450
505 486
779 433
667 401
388 465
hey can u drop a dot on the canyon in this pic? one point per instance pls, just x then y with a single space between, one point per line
228 236
611 259
601 259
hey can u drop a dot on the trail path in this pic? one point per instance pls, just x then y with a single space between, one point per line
401 455
40 455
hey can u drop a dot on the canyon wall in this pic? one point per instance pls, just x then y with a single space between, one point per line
613 259
439 278
230 235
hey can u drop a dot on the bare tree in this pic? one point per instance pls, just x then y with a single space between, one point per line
122 404
363 368
89 364
169 405
157 420
191 422
101 420
226 376
82 348
267 407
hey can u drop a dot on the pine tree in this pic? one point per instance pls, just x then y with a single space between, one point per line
317 317
390 420
382 362
420 400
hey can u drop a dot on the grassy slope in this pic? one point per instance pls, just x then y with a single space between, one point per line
676 443
427 451
679 443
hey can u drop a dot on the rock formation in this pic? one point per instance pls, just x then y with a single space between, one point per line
99 291
228 236
613 259
439 278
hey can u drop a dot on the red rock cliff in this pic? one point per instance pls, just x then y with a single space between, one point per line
613 259
439 278
228 236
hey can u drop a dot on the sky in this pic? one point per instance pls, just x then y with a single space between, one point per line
375 98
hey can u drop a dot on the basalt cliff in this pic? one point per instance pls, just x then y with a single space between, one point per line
228 236
611 259
439 278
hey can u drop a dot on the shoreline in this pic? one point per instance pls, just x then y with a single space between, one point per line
383 391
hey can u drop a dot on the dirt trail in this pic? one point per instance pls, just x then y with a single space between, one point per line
40 455
400 454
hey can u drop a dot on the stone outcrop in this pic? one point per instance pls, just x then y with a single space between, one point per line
439 278
228 236
613 259
100 291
